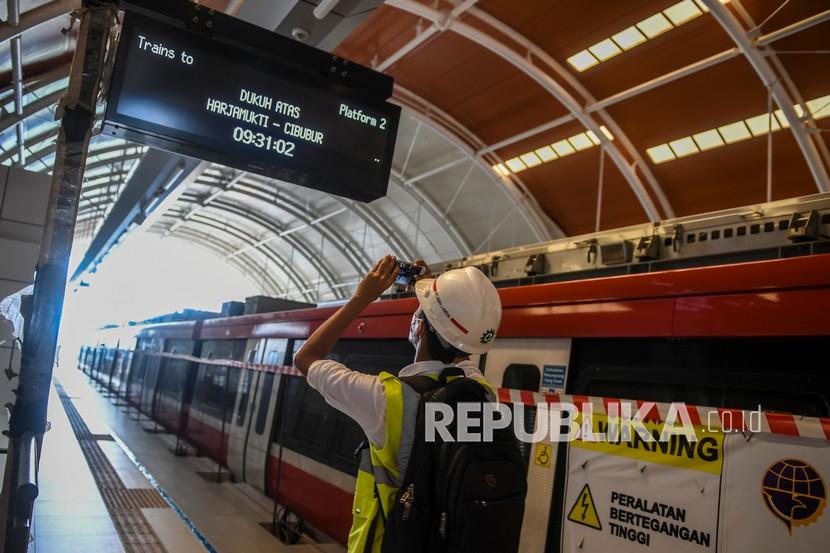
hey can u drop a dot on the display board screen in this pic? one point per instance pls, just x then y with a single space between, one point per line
216 100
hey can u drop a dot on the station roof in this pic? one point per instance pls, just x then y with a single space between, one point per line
516 114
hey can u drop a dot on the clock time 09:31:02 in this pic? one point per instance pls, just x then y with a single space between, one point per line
264 141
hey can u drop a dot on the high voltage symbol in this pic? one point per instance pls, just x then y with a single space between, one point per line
584 510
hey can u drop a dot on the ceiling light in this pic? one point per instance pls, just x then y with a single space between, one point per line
629 38
683 146
515 164
655 25
820 107
580 141
530 159
606 132
682 12
594 138
661 153
781 119
546 154
707 140
501 169
760 124
734 132
704 8
563 148
583 60
605 49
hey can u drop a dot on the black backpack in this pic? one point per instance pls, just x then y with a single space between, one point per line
457 497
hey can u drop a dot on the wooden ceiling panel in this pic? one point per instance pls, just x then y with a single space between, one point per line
719 95
481 90
735 175
384 32
565 28
791 12
808 71
567 191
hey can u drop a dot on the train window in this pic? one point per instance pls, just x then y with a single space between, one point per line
769 226
741 231
520 376
777 373
243 398
314 428
215 390
727 233
264 400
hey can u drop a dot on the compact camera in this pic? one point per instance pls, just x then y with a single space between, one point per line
409 272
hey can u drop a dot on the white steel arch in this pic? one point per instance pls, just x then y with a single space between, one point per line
545 81
759 63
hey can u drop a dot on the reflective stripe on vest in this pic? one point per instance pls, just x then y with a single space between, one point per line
386 466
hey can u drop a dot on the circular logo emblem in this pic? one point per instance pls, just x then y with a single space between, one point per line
488 336
794 492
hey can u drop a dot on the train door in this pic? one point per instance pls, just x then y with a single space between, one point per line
262 413
214 393
169 388
521 362
238 426
143 379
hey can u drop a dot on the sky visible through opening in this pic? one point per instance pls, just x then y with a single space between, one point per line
144 277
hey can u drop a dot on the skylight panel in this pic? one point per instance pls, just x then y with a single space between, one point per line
606 132
734 132
683 146
661 153
760 124
593 137
580 141
563 148
682 12
583 60
820 107
546 154
501 169
605 49
629 38
515 164
530 159
707 140
655 25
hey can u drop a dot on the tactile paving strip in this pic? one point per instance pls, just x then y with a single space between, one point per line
123 504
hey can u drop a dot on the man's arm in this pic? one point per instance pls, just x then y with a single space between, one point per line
322 341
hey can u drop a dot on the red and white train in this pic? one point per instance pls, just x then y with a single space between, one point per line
733 336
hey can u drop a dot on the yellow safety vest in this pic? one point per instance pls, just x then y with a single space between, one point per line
385 466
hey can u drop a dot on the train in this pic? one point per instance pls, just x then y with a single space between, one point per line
737 335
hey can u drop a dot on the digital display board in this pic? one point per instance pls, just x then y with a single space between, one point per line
215 98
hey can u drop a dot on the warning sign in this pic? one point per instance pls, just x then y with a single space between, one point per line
583 511
643 495
543 455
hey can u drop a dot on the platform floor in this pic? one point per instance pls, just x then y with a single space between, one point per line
108 485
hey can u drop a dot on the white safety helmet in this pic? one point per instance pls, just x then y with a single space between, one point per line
463 307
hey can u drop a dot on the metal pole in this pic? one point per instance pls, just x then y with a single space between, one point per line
222 432
17 80
77 111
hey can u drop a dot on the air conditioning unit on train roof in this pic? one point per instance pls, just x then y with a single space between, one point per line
266 304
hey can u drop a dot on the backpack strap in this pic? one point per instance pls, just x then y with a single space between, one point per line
424 384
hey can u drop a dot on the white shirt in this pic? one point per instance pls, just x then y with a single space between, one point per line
362 397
